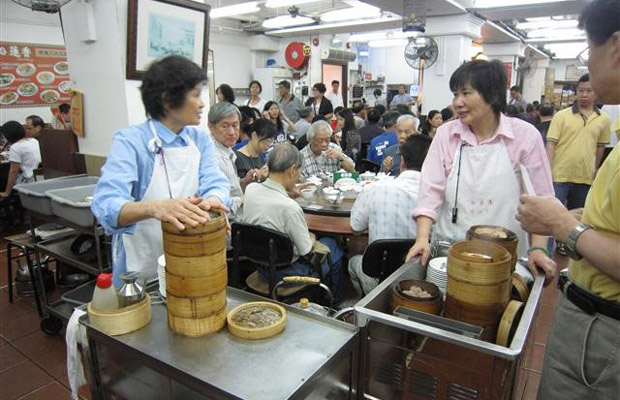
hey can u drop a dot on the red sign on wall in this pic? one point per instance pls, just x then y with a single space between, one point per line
508 68
33 75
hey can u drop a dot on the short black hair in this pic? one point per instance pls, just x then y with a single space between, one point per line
583 78
227 92
374 116
247 118
263 129
600 19
319 118
447 113
338 109
390 117
546 110
336 81
13 131
260 87
380 108
377 92
511 110
357 106
487 78
167 82
286 84
403 109
432 113
515 88
320 87
414 151
64 108
36 121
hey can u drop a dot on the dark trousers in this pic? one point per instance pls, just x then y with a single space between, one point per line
573 195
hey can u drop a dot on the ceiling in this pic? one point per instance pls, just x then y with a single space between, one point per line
500 27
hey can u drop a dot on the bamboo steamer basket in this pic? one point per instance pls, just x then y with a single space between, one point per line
510 242
256 333
430 305
199 286
195 327
196 276
123 320
204 240
196 307
509 323
520 290
478 289
195 266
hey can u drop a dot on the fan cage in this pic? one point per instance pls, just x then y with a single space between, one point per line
49 6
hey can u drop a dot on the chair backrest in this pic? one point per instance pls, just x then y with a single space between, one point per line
384 256
367 165
261 245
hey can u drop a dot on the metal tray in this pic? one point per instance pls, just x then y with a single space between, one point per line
33 197
69 204
376 307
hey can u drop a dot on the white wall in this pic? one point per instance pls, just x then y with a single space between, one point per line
560 67
19 24
233 59
534 81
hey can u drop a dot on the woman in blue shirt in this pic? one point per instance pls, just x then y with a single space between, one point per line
162 170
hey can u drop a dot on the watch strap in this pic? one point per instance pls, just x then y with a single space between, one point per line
571 241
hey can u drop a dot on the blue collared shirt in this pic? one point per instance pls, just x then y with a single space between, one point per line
129 167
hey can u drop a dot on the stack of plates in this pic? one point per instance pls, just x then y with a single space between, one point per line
437 272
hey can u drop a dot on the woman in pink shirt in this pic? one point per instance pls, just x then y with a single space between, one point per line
472 174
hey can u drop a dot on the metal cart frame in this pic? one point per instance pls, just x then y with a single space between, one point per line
409 360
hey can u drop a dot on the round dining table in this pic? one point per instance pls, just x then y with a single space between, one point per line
326 217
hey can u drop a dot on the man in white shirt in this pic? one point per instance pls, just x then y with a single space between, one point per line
224 120
385 208
334 95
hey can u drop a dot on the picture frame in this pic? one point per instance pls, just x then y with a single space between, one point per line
158 28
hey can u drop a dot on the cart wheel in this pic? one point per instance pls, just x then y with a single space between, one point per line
51 325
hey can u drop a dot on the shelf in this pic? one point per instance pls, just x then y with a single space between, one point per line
60 249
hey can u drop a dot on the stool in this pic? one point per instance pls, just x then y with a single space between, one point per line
24 243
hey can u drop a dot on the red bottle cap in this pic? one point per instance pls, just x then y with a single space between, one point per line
104 281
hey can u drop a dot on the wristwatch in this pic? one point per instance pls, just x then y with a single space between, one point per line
570 246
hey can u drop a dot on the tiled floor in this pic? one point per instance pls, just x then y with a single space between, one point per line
33 365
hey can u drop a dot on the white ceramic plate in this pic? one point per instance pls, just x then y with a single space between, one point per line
8 98
50 96
46 77
61 68
26 69
6 79
27 89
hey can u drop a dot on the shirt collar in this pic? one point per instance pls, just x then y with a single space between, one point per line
503 129
409 174
167 136
226 151
575 109
271 184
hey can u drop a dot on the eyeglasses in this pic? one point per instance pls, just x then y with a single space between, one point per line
584 55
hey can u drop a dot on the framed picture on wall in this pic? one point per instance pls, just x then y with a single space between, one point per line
159 28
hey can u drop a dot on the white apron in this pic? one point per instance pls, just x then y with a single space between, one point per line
175 175
488 194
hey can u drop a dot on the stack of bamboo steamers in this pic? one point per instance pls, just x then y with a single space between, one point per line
196 276
480 279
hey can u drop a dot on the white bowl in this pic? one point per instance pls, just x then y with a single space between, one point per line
334 198
307 193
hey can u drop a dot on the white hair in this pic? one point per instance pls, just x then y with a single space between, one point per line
408 117
318 126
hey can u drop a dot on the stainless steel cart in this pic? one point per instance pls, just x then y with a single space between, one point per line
409 360
315 357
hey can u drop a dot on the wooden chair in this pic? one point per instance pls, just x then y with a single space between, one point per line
382 257
268 248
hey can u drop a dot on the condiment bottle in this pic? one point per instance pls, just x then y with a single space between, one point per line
131 292
104 297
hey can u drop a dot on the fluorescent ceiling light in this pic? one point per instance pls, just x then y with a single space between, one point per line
556 39
285 21
508 3
237 9
566 50
388 43
554 33
548 23
364 53
286 3
334 25
358 11
365 37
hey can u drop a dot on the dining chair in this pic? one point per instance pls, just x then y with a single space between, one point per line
384 256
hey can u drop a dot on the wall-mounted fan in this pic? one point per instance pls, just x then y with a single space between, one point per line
421 52
48 6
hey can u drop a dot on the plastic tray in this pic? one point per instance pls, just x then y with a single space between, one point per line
80 295
33 195
69 204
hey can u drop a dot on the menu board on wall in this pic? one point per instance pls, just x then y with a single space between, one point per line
33 75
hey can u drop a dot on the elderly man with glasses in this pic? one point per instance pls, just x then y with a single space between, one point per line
322 156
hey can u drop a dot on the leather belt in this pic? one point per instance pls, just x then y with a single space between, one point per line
587 301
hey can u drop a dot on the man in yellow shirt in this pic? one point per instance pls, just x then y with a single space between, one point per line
575 145
583 352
